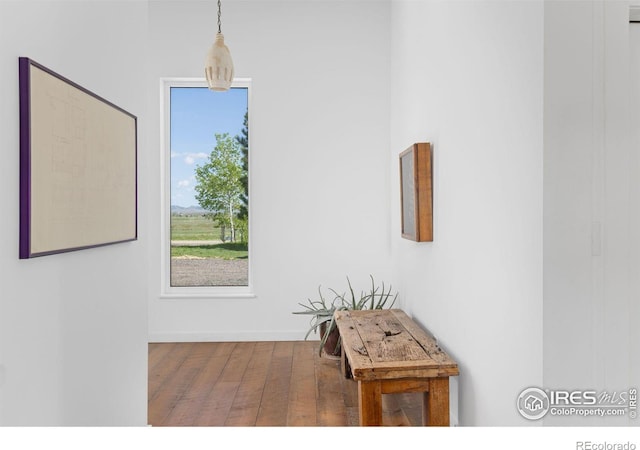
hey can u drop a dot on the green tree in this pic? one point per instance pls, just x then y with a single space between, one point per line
218 181
243 140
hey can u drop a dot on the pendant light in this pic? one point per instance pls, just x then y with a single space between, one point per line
219 65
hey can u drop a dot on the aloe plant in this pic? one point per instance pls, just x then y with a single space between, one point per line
322 311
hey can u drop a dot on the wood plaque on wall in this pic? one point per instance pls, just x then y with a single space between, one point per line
416 193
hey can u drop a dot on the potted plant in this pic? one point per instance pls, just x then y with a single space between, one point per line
322 312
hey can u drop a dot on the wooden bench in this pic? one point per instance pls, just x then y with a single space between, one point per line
386 352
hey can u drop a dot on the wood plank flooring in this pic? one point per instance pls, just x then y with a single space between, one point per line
258 384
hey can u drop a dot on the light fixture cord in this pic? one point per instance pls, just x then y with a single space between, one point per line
219 22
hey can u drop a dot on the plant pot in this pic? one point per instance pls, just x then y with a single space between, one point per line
332 347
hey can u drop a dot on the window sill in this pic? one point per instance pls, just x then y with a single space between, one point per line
207 293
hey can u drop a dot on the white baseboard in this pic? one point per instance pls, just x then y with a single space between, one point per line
227 336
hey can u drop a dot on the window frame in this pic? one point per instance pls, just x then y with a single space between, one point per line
168 291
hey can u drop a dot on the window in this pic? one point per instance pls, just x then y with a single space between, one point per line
205 226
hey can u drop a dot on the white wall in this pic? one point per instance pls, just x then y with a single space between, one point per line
634 167
319 131
73 326
591 198
467 77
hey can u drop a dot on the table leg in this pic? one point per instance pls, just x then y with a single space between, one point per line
435 403
344 365
370 403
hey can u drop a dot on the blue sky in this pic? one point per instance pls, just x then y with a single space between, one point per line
197 114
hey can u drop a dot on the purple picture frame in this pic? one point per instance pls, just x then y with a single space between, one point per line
89 153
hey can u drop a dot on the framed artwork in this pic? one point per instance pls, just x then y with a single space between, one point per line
78 166
416 193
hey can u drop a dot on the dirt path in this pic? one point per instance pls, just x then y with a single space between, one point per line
209 272
194 243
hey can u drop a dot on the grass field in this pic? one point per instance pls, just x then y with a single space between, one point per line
199 228
229 250
193 228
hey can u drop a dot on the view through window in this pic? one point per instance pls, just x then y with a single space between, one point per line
209 171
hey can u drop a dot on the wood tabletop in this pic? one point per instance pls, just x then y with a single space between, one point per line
388 344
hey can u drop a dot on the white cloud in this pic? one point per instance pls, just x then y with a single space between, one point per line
184 183
191 158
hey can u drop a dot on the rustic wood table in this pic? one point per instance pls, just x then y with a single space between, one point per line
386 352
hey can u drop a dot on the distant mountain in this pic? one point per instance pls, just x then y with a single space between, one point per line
175 209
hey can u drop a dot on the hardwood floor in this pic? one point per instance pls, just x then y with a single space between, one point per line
258 384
